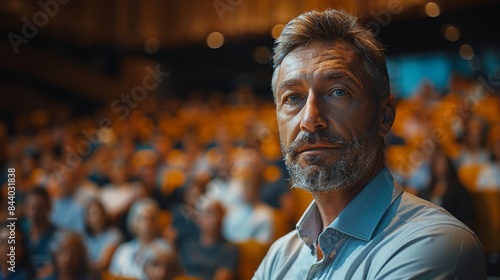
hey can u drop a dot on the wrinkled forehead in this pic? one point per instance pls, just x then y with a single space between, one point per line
321 50
321 60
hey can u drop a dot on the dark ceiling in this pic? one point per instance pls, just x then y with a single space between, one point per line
61 66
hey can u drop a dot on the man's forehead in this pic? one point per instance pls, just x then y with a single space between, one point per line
324 57
323 50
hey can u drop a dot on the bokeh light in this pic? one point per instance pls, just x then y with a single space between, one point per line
215 40
276 31
466 52
451 33
432 9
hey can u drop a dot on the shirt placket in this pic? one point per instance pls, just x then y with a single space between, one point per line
330 243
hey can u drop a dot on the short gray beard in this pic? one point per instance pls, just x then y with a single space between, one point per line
357 157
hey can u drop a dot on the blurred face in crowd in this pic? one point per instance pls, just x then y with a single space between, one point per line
161 268
145 223
119 175
251 183
70 255
148 177
68 183
440 165
37 209
210 218
328 117
96 218
474 137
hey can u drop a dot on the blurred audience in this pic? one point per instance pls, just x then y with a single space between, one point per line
20 266
120 194
39 232
475 141
68 213
161 262
143 223
101 238
70 258
250 219
489 176
210 256
184 226
446 190
180 155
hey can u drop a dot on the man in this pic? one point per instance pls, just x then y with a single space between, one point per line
39 232
252 218
334 108
67 211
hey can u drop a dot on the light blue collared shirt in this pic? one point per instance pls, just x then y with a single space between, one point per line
383 233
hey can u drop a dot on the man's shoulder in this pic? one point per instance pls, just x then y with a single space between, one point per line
418 212
415 218
421 236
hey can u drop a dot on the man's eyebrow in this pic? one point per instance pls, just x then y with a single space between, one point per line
341 75
289 83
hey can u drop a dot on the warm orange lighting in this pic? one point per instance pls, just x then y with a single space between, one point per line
276 31
451 33
432 9
466 52
215 40
152 45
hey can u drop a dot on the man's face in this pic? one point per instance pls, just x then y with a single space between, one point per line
327 117
37 209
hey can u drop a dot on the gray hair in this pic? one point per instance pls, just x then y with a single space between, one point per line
331 25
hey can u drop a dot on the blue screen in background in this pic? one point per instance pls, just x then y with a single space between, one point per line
408 72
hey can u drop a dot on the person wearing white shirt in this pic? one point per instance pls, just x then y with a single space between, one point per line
489 176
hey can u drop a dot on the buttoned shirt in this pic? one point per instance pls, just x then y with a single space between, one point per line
383 233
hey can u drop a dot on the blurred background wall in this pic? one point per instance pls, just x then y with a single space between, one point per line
79 54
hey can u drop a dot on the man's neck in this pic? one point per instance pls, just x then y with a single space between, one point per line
332 203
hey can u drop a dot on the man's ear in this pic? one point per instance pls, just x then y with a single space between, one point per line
387 115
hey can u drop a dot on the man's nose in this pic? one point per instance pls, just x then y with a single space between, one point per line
313 118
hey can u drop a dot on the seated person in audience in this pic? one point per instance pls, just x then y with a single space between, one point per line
39 232
210 256
231 192
143 222
475 140
67 212
86 189
160 262
183 225
20 268
118 196
489 176
446 190
149 187
251 219
70 257
100 237
99 165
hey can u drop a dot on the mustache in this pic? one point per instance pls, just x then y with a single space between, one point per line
308 138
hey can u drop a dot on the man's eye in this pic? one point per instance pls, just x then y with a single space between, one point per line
339 92
292 98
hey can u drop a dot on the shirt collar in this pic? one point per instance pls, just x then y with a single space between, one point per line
360 217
